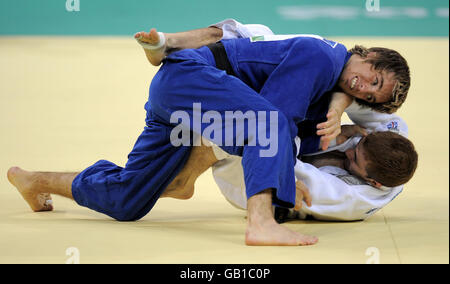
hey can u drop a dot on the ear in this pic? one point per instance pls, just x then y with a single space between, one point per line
374 183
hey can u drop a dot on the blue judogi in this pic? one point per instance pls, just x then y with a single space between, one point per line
288 77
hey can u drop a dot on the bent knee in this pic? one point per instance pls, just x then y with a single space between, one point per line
125 217
125 214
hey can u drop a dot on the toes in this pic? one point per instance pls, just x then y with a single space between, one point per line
45 202
308 240
48 208
151 37
153 34
142 36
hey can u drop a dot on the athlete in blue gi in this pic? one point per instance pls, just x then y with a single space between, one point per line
288 77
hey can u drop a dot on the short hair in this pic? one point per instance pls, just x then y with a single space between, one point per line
392 158
391 61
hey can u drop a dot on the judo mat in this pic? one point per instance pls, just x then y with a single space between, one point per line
67 102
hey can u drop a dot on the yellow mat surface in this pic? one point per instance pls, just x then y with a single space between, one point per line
66 102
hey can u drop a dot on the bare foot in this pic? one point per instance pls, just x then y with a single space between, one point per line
154 56
28 187
263 230
273 234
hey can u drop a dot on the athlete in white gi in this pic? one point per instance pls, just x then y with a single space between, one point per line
335 193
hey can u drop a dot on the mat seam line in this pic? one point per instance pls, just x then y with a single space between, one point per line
392 237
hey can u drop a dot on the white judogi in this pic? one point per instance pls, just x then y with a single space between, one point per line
233 29
336 195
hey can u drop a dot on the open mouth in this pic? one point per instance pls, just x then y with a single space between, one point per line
353 83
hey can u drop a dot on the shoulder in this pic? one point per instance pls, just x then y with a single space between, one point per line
320 50
318 43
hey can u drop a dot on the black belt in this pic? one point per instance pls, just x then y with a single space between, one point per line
221 58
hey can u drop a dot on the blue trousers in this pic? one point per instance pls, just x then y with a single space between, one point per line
129 193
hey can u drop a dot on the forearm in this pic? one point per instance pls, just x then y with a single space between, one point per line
340 101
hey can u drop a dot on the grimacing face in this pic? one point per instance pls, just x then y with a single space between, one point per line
360 80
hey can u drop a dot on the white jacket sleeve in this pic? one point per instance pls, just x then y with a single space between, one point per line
376 121
338 196
233 29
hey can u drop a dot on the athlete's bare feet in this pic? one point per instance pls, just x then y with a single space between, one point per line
274 234
154 56
30 189
263 230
